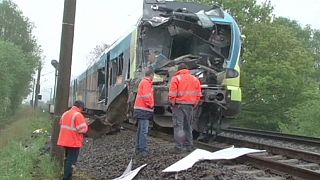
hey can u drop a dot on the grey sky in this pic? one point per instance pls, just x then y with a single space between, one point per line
305 12
104 21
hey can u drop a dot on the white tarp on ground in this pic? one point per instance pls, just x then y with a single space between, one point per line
200 154
128 174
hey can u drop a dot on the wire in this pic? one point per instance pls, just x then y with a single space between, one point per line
48 73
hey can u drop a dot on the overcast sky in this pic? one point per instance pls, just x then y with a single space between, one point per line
104 21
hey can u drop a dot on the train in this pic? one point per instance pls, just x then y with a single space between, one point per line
207 39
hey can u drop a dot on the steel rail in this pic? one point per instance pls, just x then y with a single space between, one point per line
312 141
255 160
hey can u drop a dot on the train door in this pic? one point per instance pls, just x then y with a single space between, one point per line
116 78
107 78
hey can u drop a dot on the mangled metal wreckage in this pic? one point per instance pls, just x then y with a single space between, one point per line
207 39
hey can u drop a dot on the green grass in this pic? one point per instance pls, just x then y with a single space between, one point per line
21 155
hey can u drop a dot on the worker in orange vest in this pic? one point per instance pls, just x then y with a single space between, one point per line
143 111
73 126
184 96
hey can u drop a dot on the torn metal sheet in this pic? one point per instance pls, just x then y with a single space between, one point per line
200 154
128 174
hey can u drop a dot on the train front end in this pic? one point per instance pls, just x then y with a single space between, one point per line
208 40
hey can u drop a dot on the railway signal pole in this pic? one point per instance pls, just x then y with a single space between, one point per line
65 60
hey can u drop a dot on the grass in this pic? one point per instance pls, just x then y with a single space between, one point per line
22 154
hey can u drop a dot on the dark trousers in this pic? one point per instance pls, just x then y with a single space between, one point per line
142 136
71 156
182 115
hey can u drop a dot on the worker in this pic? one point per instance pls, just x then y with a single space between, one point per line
73 126
184 96
143 111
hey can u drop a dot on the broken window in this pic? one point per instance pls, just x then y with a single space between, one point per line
101 76
101 83
120 64
114 69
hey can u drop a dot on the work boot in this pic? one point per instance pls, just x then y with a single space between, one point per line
203 138
141 154
189 148
176 150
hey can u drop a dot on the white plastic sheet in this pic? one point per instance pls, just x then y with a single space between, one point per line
128 174
200 154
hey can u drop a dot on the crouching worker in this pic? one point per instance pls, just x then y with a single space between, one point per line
143 111
73 126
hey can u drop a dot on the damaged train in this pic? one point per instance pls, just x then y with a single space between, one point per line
168 33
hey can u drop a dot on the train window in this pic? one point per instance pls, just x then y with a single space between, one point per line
114 67
120 65
101 76
128 73
110 77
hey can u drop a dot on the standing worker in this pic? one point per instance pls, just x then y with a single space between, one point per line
143 111
184 96
73 126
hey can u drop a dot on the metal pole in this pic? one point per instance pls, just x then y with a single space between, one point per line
32 100
55 85
37 87
51 98
65 59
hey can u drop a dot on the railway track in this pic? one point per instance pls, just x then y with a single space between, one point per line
284 163
300 154
275 135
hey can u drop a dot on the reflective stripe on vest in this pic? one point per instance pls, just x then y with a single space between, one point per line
142 108
80 128
173 94
145 96
72 128
186 102
193 93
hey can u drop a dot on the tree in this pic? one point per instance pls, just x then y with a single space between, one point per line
278 67
244 11
16 72
304 118
96 53
277 70
16 28
19 54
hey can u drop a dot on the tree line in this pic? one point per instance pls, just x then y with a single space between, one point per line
279 70
19 56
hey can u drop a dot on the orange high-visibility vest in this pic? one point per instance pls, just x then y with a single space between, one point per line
72 128
184 88
145 99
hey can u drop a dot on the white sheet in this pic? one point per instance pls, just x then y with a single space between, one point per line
200 154
128 174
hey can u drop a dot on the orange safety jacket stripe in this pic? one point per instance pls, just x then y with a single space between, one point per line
192 93
142 108
145 96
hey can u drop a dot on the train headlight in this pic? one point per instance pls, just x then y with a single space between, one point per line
220 96
232 73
